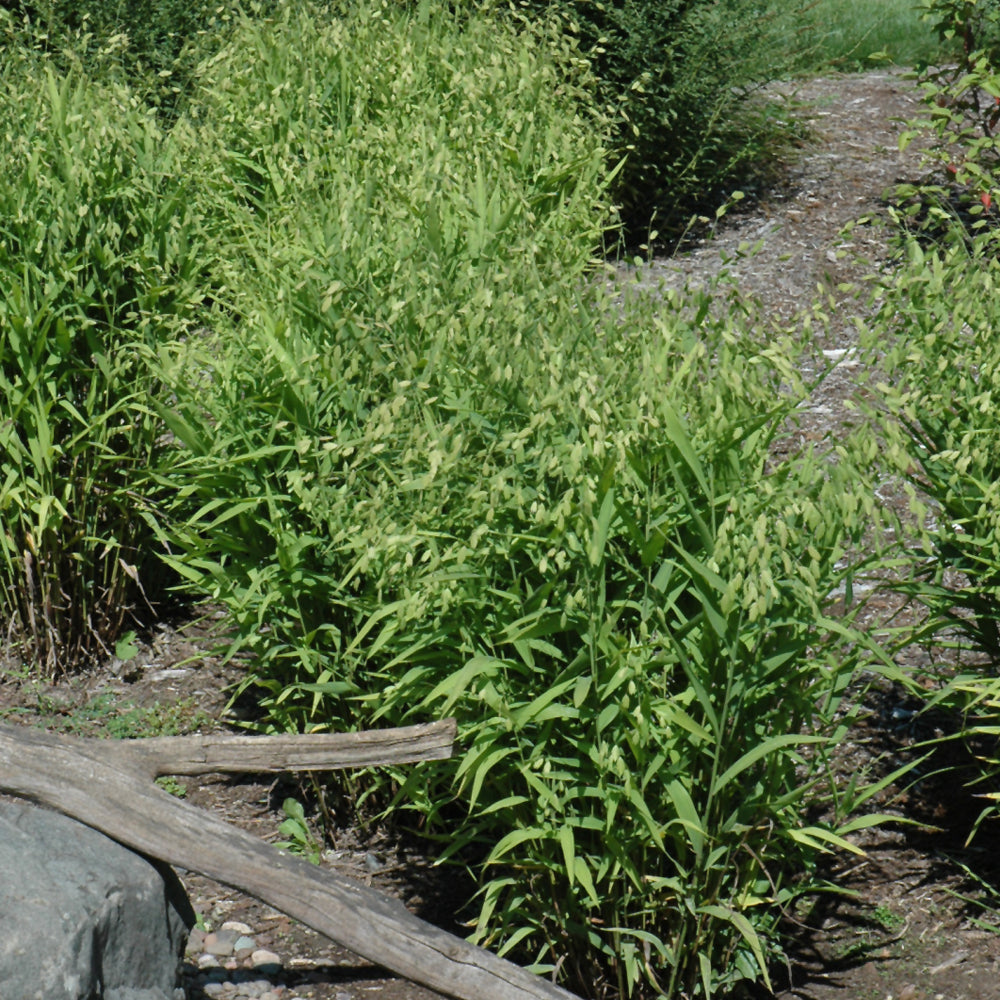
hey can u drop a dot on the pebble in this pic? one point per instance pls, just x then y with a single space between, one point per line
265 961
228 965
222 943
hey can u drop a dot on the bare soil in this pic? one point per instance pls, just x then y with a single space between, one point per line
913 922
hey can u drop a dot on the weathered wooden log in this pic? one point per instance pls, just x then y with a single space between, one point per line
104 785
180 755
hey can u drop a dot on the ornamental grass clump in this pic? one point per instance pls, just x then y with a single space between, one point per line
934 341
415 190
647 699
570 543
936 408
432 467
941 374
96 266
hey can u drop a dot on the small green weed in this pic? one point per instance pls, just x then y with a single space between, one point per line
172 786
300 839
887 918
111 716
984 899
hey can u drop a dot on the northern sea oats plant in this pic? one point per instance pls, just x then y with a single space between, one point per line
96 266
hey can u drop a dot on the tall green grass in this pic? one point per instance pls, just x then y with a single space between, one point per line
150 45
852 35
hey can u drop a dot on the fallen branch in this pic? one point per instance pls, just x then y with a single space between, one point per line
104 784
186 755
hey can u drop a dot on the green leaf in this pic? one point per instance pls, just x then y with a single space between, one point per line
687 813
582 872
125 647
740 922
599 539
763 749
822 840
568 844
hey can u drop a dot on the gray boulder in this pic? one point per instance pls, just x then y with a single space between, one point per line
83 918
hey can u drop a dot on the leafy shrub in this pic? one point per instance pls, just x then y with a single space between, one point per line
684 79
975 24
962 112
94 263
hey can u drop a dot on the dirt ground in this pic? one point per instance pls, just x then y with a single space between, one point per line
914 921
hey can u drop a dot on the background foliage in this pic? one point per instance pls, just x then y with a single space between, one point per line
683 80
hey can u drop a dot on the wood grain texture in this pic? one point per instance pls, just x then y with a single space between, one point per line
180 755
105 785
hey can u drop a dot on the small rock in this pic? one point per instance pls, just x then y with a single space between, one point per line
238 926
169 674
265 961
196 941
221 943
244 943
208 961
